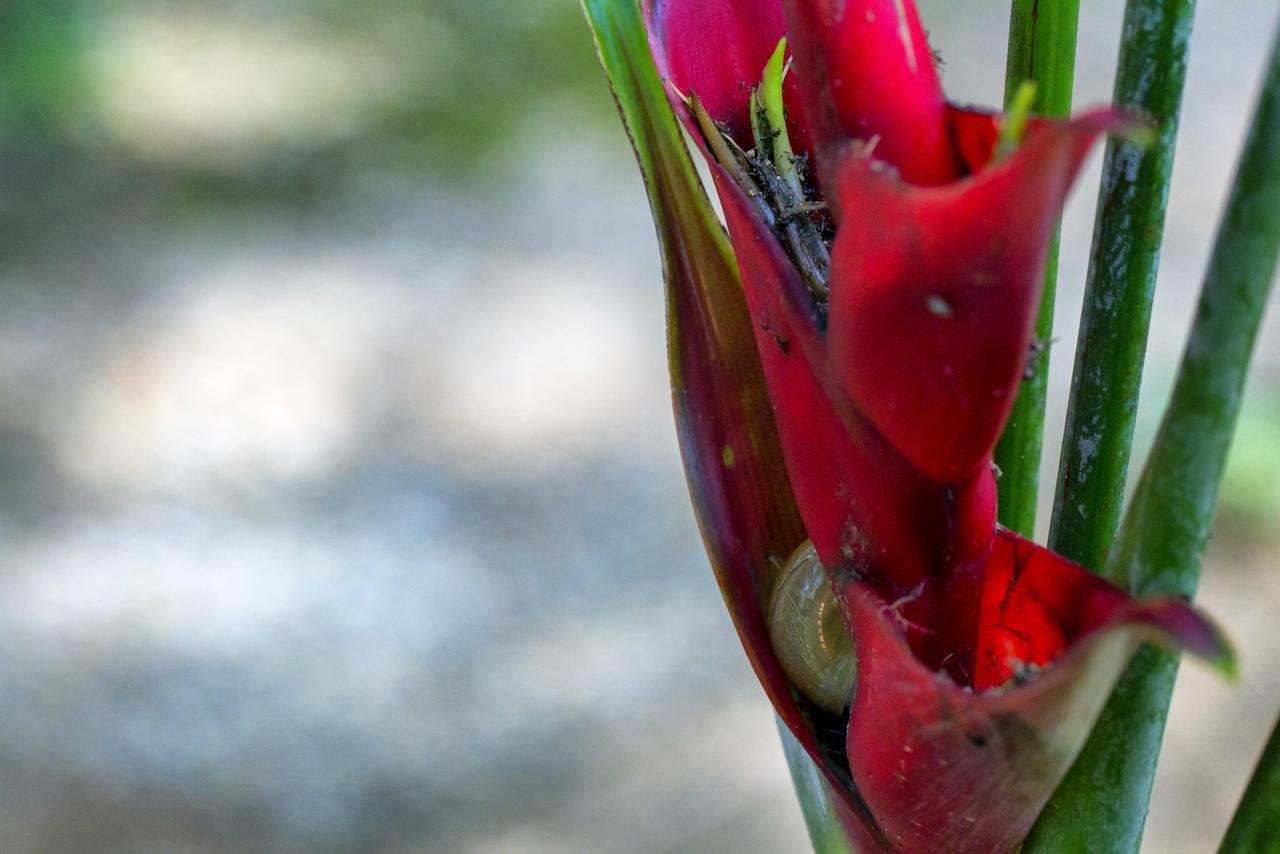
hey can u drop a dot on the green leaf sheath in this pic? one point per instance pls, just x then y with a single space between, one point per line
706 308
1042 50
681 210
1253 829
1102 804
1128 230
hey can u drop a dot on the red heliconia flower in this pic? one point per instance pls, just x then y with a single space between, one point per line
982 659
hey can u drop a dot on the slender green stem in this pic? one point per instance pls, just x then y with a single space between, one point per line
817 801
1102 804
1122 274
1253 828
1042 50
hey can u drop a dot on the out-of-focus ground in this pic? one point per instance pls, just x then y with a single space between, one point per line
338 491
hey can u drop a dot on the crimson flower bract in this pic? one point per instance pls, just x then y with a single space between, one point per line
843 376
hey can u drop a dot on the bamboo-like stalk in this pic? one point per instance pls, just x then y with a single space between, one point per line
1122 273
1253 828
1103 802
1042 50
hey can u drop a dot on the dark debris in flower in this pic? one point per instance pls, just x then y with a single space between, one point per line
801 224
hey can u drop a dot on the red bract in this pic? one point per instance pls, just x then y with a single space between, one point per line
983 659
934 292
871 76
722 67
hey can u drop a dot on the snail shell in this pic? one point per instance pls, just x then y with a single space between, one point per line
808 633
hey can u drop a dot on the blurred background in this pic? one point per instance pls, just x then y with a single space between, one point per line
339 495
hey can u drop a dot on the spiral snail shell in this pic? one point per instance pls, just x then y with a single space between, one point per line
808 634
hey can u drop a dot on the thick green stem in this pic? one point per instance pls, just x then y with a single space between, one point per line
1122 274
1042 50
1254 826
1102 804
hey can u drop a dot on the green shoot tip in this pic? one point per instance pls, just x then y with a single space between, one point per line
1014 124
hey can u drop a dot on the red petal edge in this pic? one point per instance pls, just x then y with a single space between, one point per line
934 292
945 769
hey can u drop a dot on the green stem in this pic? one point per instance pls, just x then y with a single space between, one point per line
1102 804
1042 50
1253 828
817 801
1122 274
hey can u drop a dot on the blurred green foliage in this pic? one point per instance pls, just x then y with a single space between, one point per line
1251 488
473 75
514 60
42 79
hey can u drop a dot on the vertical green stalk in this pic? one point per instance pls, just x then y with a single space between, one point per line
1122 275
1042 50
817 801
1253 828
1102 804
